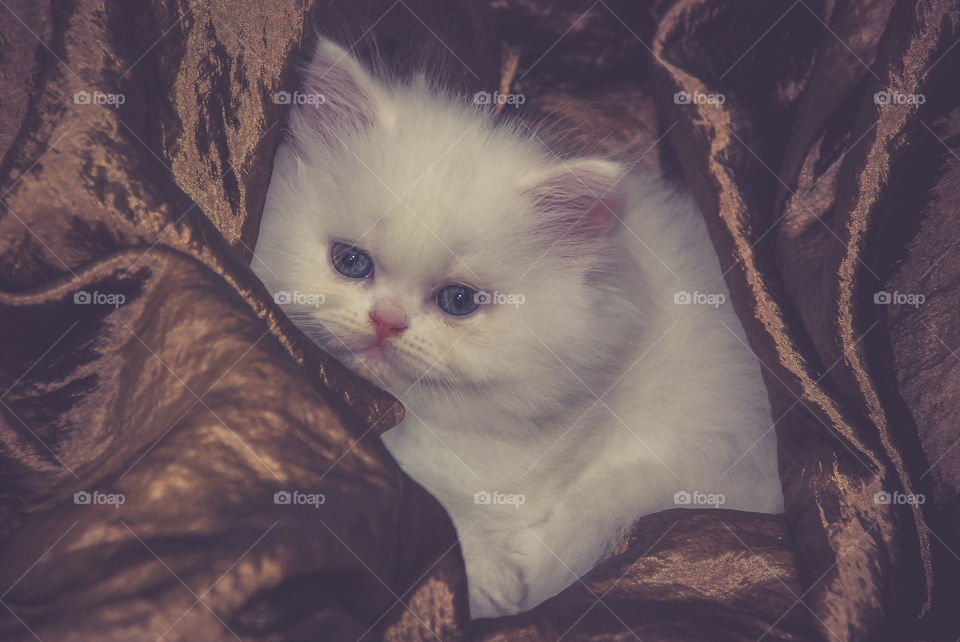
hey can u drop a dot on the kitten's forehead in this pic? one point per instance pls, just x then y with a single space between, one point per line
435 247
431 202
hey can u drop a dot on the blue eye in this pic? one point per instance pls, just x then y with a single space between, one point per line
458 300
351 261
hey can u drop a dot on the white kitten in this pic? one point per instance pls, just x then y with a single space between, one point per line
402 206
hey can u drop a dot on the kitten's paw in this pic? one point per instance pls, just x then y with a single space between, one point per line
497 587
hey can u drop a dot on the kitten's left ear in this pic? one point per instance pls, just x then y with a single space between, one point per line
340 95
577 201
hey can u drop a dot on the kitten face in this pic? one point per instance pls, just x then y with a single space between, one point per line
399 208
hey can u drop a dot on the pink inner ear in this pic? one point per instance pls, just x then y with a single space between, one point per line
599 218
582 214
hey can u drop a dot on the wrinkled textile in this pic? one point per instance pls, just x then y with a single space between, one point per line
178 461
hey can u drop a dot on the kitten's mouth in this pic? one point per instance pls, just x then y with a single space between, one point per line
376 362
384 364
376 351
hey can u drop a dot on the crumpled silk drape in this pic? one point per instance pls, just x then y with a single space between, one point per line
141 359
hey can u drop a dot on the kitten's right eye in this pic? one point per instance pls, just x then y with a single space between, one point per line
351 261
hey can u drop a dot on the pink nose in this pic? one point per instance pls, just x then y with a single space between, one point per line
388 322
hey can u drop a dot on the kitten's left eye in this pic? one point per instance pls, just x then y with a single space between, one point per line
351 261
458 300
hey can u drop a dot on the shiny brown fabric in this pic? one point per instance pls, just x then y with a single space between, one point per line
197 400
816 196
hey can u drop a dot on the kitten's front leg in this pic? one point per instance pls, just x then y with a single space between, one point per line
490 539
496 584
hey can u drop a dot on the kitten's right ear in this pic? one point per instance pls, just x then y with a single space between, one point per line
339 95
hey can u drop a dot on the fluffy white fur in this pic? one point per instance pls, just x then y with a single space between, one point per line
506 400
